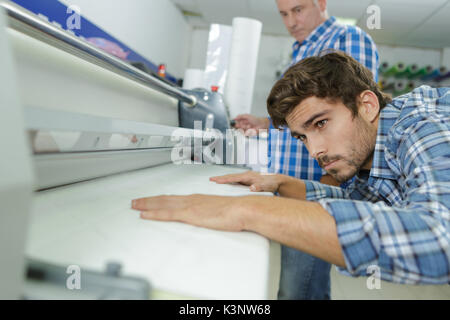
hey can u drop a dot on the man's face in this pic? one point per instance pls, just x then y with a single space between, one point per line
300 17
340 143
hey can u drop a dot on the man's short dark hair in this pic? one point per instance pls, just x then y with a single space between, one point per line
333 76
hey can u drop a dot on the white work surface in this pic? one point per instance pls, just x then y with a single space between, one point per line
90 223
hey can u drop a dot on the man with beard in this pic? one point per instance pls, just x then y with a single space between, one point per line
395 214
307 21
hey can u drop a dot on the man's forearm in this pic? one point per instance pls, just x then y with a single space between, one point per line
290 187
302 225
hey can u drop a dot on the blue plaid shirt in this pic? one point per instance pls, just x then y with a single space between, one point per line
397 216
286 154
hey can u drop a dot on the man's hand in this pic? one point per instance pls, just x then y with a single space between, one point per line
257 182
251 124
214 212
286 186
302 225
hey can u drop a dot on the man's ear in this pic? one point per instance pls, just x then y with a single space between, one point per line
369 106
322 5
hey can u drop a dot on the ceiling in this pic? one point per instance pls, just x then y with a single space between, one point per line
417 23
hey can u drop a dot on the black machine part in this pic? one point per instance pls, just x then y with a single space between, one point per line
210 109
107 285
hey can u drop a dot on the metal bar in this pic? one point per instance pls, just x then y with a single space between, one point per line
55 120
28 23
53 170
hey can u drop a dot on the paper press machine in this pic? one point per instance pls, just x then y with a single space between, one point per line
99 132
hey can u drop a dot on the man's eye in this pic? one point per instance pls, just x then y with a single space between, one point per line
300 137
321 123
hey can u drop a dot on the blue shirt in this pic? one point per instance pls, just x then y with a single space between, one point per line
397 216
286 154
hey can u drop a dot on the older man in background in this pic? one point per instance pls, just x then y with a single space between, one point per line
304 276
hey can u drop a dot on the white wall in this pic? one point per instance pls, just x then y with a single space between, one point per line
446 57
409 55
199 46
155 29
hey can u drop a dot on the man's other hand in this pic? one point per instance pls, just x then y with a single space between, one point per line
251 124
256 181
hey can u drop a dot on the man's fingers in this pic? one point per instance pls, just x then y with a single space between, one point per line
151 203
240 125
231 178
160 215
258 188
242 117
251 132
140 204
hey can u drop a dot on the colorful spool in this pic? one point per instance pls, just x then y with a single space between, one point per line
412 71
443 77
410 86
400 86
408 72
435 74
387 85
395 69
384 66
422 72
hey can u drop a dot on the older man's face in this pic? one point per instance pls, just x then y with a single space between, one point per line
340 143
300 17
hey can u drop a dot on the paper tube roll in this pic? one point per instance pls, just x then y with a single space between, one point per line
242 65
217 56
193 79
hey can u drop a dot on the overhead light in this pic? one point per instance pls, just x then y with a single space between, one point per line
188 13
347 21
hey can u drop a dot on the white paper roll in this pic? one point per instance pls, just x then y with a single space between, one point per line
194 79
242 65
217 56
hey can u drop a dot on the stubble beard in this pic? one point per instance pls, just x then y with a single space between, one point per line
365 137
